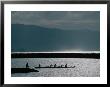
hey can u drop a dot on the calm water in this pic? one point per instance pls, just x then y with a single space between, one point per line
84 67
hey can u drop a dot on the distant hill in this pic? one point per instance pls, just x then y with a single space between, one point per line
36 38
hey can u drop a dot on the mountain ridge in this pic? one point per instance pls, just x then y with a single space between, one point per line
35 38
33 26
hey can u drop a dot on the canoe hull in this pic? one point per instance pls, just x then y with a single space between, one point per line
22 70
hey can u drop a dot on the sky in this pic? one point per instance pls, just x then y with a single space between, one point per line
44 31
59 19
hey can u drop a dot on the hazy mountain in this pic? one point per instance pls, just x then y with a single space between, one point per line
36 38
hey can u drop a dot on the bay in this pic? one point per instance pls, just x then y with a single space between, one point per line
83 67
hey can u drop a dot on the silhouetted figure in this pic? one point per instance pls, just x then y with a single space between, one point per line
39 65
27 66
61 65
73 66
55 65
66 66
51 65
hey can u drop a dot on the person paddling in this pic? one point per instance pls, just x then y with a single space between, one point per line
27 66
66 66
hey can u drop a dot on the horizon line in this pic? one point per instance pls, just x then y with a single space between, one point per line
61 52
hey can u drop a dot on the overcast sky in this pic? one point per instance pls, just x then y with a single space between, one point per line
59 19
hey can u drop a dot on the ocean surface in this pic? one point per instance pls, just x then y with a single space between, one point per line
83 67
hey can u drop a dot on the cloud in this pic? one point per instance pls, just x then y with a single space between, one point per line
59 19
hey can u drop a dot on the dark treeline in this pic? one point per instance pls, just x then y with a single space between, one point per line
56 55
